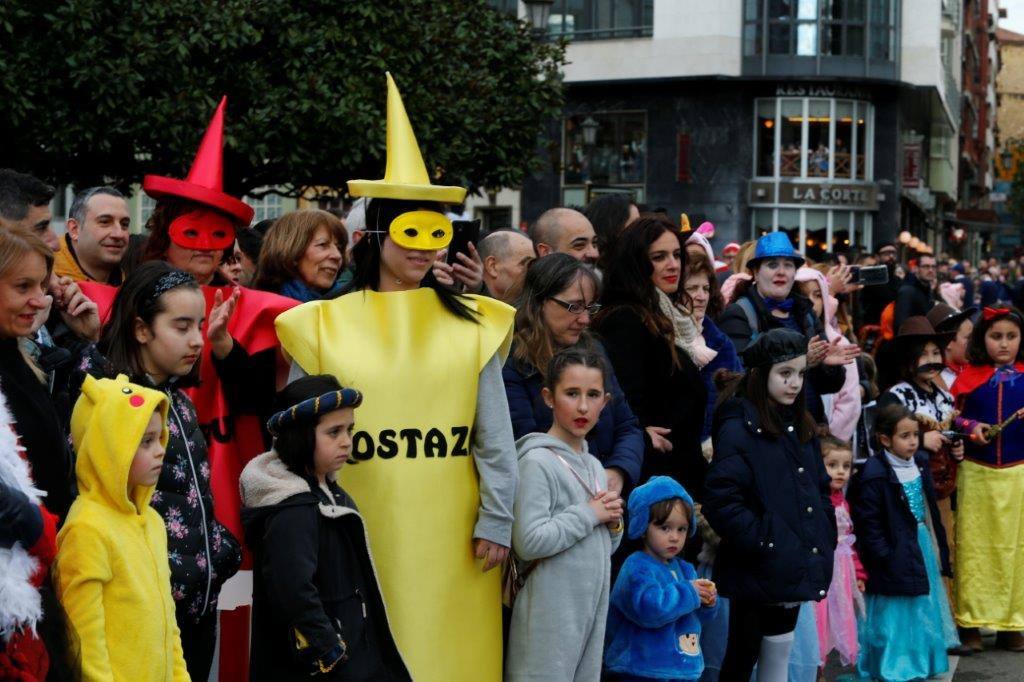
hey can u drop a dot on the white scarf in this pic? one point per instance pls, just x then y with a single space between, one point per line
906 469
687 334
20 604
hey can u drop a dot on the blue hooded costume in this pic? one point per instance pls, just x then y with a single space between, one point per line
655 614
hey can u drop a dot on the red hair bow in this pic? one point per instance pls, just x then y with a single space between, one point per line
989 314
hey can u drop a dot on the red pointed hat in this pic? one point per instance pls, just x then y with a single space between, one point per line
205 181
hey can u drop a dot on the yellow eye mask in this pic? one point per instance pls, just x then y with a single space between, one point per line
421 231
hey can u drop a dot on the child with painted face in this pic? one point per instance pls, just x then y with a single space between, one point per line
836 615
990 482
907 627
317 607
112 579
768 498
568 523
918 350
155 336
658 604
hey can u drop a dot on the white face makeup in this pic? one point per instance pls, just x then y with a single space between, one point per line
785 379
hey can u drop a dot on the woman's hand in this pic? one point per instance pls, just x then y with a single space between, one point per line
817 349
659 438
217 324
79 312
932 441
840 354
492 553
839 280
467 271
979 431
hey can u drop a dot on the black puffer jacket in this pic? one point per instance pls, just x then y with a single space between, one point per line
202 552
913 298
315 592
769 500
887 530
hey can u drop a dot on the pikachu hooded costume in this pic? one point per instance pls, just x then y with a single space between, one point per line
112 571
433 463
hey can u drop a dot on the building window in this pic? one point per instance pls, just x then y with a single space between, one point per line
601 19
494 217
147 205
604 150
268 206
806 28
505 6
815 232
813 138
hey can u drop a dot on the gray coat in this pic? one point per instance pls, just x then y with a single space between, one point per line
559 616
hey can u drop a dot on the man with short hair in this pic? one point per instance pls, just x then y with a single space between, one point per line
916 295
505 255
97 238
565 230
25 203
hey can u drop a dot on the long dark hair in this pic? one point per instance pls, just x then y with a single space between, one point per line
753 385
608 213
545 277
366 253
628 279
136 300
976 353
295 445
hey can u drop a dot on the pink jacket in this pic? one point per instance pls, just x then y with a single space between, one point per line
845 407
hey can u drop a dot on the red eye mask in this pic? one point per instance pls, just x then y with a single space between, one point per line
202 230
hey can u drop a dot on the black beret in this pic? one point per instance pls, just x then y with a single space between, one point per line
773 347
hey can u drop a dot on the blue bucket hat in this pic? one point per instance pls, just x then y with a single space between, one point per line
775 245
657 489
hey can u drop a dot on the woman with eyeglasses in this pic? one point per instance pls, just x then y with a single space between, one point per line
553 312
643 324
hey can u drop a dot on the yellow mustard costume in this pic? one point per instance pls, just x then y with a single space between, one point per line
112 568
412 473
421 488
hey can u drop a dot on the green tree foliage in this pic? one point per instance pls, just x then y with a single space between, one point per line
108 90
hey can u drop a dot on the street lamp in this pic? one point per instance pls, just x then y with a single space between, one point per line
904 237
538 11
589 127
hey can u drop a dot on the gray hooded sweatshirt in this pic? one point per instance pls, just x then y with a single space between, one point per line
559 616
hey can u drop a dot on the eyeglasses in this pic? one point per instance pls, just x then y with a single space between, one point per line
576 308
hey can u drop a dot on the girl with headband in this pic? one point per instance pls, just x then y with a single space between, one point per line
989 563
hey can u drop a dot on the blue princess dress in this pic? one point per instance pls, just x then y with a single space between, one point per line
905 638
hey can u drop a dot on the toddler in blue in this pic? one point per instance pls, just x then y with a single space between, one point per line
658 603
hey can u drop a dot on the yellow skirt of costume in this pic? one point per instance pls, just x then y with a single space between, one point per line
989 569
412 473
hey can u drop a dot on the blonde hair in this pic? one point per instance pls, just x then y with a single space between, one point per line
746 252
287 240
16 243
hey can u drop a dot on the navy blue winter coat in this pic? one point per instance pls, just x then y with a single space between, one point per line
727 358
616 440
887 530
769 500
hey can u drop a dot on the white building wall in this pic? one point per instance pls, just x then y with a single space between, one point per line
691 38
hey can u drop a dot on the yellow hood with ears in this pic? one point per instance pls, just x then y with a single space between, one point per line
107 426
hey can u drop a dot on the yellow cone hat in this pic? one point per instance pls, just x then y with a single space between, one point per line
406 175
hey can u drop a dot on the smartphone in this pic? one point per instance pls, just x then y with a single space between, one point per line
463 232
869 275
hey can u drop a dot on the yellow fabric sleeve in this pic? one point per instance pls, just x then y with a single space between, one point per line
298 330
83 569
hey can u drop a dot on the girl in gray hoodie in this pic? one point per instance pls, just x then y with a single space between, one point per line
567 524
